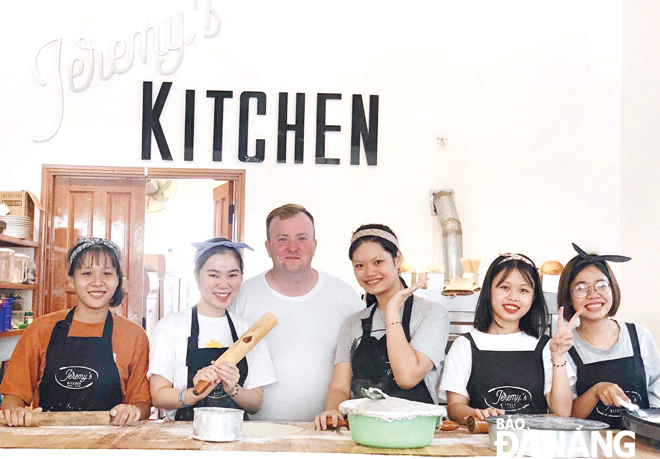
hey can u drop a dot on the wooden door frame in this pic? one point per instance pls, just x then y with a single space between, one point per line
50 171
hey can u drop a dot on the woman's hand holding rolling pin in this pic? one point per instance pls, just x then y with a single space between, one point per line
487 412
211 375
229 375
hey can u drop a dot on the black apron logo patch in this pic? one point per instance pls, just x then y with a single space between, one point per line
612 411
218 392
508 398
76 377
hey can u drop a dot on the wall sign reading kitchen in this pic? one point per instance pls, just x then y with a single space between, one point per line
363 130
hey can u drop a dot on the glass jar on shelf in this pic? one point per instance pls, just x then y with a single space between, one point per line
20 267
6 264
30 273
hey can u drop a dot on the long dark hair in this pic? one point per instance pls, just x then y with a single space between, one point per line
535 322
96 252
388 246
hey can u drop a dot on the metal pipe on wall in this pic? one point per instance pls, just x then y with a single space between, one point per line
443 205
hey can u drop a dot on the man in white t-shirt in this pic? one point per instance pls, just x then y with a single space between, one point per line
310 306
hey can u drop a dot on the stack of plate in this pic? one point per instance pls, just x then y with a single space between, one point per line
17 226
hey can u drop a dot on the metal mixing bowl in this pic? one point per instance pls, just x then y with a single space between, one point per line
217 424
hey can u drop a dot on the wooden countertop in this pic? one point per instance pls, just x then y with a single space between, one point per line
161 435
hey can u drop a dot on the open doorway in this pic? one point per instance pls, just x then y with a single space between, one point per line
206 208
111 202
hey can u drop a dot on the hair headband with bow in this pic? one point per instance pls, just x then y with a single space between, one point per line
87 242
203 247
594 258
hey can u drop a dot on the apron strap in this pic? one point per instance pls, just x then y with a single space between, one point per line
405 320
194 325
407 312
69 317
107 327
634 339
576 357
543 340
234 335
473 345
366 323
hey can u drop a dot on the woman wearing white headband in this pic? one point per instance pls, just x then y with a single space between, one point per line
397 344
184 344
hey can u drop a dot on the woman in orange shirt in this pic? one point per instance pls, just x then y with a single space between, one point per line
86 358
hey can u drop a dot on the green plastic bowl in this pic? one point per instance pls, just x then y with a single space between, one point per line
408 433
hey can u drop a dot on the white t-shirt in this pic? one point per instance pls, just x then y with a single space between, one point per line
429 328
169 346
458 364
303 343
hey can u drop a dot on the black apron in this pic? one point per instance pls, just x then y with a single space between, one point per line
508 380
196 359
371 366
80 373
627 372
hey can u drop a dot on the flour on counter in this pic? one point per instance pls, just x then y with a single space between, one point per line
266 429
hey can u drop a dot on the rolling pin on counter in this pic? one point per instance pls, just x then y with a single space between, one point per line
67 418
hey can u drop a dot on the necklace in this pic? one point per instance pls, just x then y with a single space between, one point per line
608 345
382 315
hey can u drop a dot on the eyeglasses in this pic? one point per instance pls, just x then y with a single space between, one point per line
581 290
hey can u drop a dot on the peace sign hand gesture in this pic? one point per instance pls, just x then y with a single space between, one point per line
562 340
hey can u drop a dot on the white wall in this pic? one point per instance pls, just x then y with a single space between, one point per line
526 94
640 162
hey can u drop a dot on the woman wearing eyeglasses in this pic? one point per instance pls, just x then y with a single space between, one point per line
611 358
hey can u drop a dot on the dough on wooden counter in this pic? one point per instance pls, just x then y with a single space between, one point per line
266 429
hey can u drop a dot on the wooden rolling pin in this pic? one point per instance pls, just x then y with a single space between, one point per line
476 425
448 426
240 348
67 418
341 422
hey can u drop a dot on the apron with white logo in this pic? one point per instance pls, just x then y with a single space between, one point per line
80 373
197 358
627 372
508 380
371 364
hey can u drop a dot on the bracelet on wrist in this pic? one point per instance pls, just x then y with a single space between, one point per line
235 393
559 366
183 404
392 323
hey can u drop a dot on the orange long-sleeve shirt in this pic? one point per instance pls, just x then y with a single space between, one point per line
129 344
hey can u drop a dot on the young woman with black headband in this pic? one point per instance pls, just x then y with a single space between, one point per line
612 359
398 343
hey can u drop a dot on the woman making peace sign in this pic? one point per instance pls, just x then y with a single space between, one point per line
505 365
612 358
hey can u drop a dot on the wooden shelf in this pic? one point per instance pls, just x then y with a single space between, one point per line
9 241
10 286
11 333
